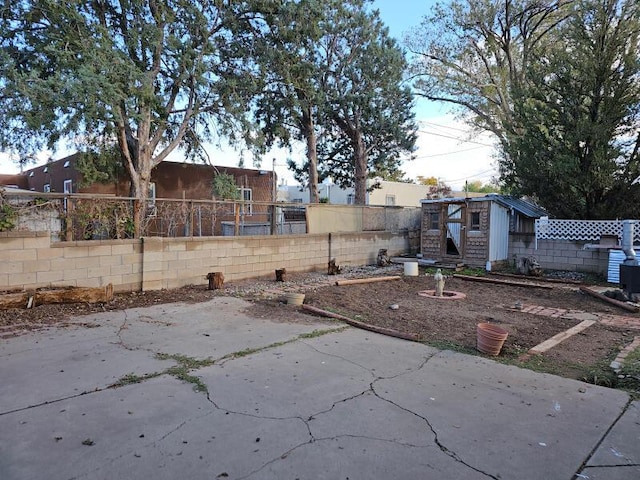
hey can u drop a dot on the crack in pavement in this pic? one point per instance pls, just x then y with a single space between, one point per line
436 440
313 416
584 465
57 400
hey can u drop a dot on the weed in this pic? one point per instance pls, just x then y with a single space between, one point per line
319 333
187 362
132 378
182 373
184 366
451 345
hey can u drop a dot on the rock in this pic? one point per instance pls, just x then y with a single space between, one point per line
395 306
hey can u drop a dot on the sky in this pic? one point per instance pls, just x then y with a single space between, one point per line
445 149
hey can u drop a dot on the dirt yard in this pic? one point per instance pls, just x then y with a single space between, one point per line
444 323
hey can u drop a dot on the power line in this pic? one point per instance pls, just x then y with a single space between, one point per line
443 126
448 153
455 138
470 176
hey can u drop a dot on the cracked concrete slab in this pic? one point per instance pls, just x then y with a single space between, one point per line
161 429
48 366
504 420
209 329
348 403
622 444
290 380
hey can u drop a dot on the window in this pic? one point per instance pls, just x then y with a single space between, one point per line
390 200
247 196
67 187
151 202
46 188
66 164
152 193
351 199
434 221
475 221
46 169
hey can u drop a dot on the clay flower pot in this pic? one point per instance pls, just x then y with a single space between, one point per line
490 338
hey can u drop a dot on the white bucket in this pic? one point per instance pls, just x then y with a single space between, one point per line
411 269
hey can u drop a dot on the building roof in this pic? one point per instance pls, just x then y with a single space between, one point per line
521 206
528 209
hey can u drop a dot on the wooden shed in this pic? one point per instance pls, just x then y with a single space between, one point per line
474 231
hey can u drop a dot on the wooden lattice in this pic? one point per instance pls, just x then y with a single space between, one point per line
581 230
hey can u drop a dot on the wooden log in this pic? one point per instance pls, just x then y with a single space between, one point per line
14 300
61 295
281 275
366 280
74 295
502 282
362 325
216 280
612 301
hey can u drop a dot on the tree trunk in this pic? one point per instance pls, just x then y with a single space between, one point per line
312 155
360 173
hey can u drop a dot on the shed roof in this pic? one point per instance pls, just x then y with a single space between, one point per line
521 206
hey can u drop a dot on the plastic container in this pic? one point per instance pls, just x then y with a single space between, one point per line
411 269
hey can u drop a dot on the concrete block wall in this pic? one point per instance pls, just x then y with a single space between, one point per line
560 254
30 260
175 262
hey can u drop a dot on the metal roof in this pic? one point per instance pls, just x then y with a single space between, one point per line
523 207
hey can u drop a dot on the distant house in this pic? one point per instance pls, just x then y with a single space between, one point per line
169 180
474 231
387 193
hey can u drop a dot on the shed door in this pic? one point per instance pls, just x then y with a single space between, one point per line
454 233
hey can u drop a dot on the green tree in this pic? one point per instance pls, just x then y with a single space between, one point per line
370 122
556 82
150 75
576 148
288 60
478 187
333 79
472 54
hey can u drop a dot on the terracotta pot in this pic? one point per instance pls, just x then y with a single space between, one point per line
294 298
490 338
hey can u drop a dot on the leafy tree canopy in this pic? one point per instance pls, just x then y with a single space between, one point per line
558 83
149 75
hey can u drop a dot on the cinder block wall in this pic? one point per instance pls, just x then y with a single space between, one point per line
29 260
559 254
174 262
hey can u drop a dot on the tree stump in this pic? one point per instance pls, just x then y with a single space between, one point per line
383 258
333 269
281 275
216 279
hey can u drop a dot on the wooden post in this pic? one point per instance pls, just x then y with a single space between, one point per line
216 279
236 227
274 226
68 219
